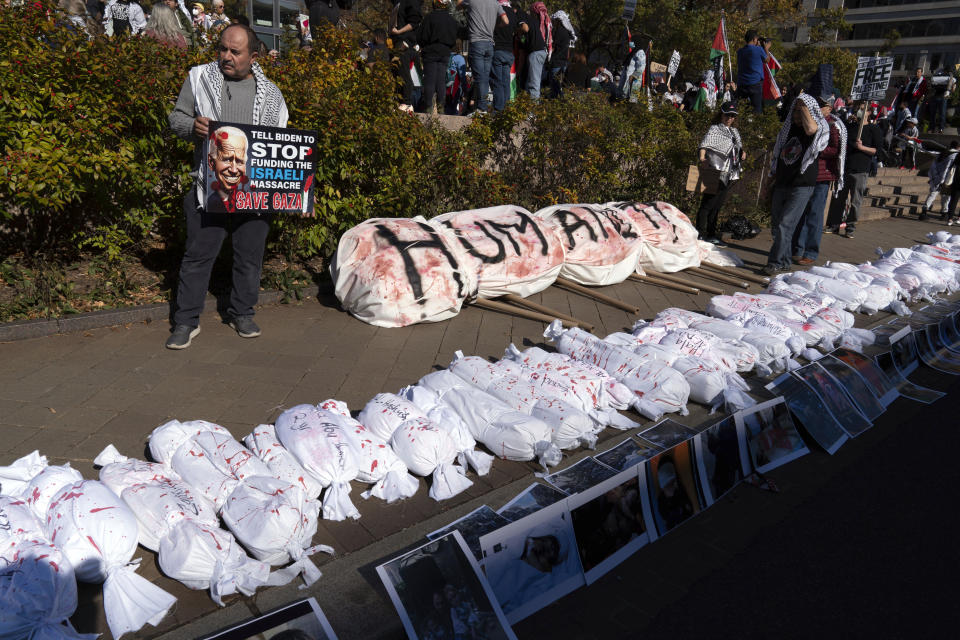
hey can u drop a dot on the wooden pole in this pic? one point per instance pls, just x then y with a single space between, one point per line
671 278
733 272
590 293
663 283
515 299
503 307
713 275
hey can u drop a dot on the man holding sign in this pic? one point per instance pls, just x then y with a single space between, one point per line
231 89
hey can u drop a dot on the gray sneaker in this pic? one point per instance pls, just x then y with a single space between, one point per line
245 327
182 336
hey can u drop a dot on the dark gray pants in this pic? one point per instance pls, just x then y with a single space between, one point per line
205 234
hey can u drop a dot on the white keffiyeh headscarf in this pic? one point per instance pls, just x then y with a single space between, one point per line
820 139
565 21
206 82
842 130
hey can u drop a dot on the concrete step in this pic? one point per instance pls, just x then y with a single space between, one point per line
877 189
902 181
874 213
905 199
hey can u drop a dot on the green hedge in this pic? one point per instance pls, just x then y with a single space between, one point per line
89 167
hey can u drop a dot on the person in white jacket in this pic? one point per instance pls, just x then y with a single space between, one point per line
941 174
122 16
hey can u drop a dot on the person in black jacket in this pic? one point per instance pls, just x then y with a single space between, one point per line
323 11
404 32
437 37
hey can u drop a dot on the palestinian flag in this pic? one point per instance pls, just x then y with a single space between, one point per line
513 80
719 47
770 68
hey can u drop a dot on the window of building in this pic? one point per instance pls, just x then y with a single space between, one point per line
823 4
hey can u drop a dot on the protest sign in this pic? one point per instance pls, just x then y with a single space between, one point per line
674 63
259 169
629 9
872 78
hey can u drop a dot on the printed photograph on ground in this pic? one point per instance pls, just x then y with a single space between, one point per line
610 522
855 386
532 499
906 388
932 335
949 335
439 592
627 454
904 353
834 398
580 476
471 526
667 433
301 620
881 385
671 479
929 355
768 436
533 561
720 462
810 411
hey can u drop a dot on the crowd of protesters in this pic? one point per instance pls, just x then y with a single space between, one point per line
472 57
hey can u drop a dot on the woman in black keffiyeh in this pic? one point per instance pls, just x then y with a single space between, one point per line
721 155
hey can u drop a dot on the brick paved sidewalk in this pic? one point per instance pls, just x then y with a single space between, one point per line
71 395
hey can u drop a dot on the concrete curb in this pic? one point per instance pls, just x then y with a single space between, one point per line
44 327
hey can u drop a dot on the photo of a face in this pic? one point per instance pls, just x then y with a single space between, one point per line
227 164
719 461
673 487
610 522
582 475
807 407
769 434
868 403
949 335
530 500
533 561
439 592
834 398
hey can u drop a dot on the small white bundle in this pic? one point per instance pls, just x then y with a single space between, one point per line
265 444
39 592
316 438
97 534
571 426
276 521
15 477
45 485
504 431
657 388
378 463
448 420
213 462
181 526
594 390
427 450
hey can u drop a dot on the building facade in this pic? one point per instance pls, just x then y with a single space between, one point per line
929 31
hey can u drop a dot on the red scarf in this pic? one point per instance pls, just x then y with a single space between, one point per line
546 26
